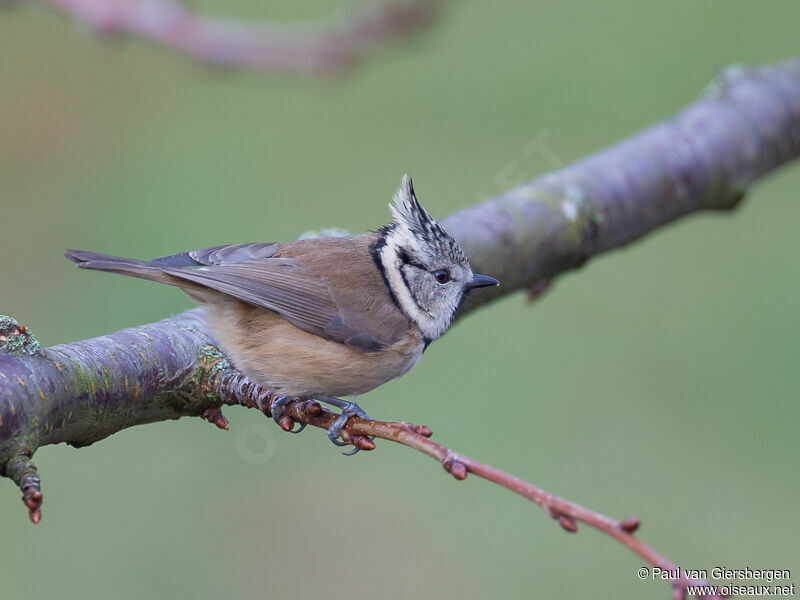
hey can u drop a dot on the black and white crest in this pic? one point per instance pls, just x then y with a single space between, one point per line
424 267
409 214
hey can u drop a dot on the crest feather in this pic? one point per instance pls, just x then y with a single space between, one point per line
407 210
419 228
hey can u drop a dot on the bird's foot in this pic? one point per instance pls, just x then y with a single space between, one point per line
284 421
349 409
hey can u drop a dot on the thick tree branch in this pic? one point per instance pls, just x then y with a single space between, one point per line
745 125
328 45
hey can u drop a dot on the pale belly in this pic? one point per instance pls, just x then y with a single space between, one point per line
287 360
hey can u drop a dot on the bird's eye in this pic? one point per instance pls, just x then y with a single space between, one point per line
442 275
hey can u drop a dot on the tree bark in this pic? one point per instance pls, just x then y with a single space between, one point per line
746 124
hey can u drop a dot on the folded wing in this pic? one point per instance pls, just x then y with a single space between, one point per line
252 273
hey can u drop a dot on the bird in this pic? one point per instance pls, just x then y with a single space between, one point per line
322 318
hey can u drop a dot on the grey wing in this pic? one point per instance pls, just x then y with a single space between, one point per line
284 285
218 255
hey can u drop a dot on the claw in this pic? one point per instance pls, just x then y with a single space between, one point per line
335 430
349 409
278 407
284 421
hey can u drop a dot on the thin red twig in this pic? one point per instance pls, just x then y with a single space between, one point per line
236 389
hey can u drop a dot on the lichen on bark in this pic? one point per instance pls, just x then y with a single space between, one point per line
17 339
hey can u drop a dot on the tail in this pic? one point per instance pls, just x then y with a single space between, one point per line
124 266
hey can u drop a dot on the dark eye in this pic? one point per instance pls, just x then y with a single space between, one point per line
442 275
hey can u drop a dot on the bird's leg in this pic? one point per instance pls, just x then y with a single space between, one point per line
278 408
349 409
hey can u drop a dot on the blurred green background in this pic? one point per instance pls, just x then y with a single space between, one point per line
659 381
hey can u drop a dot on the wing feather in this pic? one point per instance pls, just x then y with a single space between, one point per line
218 255
275 284
286 286
290 279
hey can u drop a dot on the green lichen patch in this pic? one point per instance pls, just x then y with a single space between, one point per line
16 339
212 357
210 363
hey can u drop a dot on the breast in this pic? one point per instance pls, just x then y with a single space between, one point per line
285 359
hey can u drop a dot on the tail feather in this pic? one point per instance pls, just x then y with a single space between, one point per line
83 256
123 266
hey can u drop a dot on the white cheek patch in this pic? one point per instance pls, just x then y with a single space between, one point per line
430 327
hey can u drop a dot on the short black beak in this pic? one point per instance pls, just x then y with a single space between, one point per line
479 281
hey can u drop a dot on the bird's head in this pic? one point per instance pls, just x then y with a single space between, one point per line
424 266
